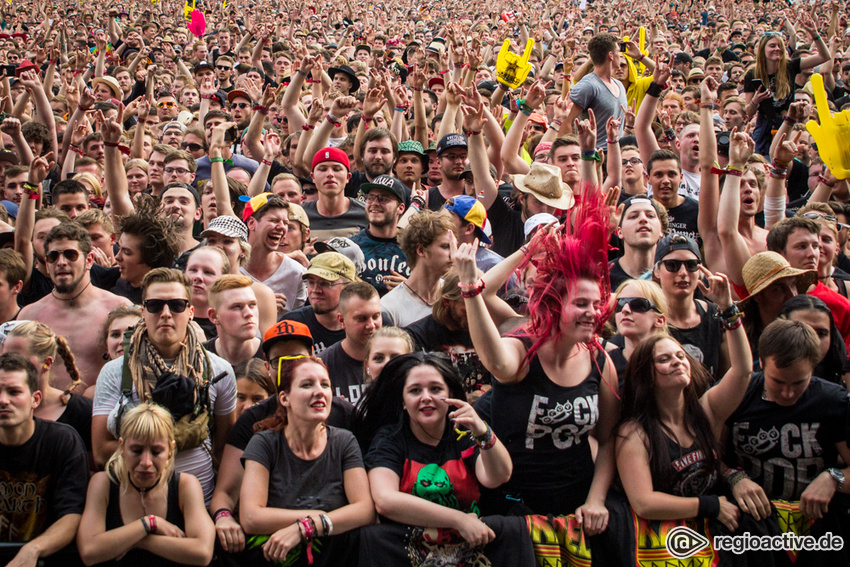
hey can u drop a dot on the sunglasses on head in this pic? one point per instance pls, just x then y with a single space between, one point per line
674 266
636 304
815 216
191 147
283 359
156 306
70 254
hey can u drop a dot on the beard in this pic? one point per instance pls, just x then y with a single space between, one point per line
375 169
68 287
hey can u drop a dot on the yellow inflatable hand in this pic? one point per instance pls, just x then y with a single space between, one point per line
831 134
511 69
187 10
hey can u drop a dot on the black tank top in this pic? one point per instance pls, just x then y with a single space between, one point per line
141 557
545 428
693 475
703 341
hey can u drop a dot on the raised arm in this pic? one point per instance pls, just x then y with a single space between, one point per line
218 177
25 222
417 84
339 110
643 121
709 193
823 53
735 247
115 179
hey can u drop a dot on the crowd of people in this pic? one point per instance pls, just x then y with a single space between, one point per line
398 284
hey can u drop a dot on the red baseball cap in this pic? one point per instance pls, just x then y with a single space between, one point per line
331 154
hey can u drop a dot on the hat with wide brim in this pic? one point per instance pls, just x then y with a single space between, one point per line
110 82
765 268
355 82
544 182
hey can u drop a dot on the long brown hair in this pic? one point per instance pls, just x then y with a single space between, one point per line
284 384
781 85
640 406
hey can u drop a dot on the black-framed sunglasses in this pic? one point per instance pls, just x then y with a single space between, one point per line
674 266
242 105
636 304
70 254
192 147
156 306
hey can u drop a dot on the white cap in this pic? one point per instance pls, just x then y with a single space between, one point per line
540 219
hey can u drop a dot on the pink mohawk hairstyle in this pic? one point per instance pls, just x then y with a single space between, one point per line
578 251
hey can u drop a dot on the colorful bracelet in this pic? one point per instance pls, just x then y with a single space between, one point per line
417 90
222 513
110 144
790 121
737 171
555 124
587 155
612 141
400 108
145 525
327 524
217 160
264 161
307 127
470 133
486 441
705 105
822 179
152 523
333 120
468 291
260 108
76 150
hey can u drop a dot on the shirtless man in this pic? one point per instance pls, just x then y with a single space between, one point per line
74 307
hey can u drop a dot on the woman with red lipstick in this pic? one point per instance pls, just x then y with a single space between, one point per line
304 480
429 454
138 512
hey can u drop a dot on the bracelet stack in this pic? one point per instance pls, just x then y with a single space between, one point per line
307 527
471 290
735 170
222 513
778 170
524 108
822 179
555 124
417 203
730 318
333 120
31 190
734 476
486 441
327 525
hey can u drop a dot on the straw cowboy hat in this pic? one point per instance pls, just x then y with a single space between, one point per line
544 182
766 267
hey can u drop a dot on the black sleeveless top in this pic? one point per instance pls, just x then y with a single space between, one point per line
703 341
141 557
545 428
693 475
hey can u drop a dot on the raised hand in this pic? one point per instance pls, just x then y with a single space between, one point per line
786 150
662 71
373 102
718 290
741 147
112 127
586 131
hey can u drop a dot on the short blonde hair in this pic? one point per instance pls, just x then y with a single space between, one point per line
91 180
226 283
147 422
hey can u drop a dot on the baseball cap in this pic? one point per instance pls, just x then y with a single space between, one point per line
298 214
682 57
256 203
9 156
471 210
237 93
387 183
637 199
286 330
331 266
536 221
347 248
203 65
226 225
673 242
452 141
331 154
188 188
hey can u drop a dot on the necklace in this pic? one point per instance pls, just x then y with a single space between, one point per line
143 491
71 301
422 299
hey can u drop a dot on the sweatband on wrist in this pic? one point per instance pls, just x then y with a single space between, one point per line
709 506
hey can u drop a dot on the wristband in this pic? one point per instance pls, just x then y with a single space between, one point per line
297 71
110 144
417 200
207 97
780 164
264 161
145 525
333 120
706 105
327 524
590 156
365 123
790 121
709 506
76 150
555 124
611 141
260 108
308 127
654 89
417 90
470 133
152 523
822 179
31 190
816 38
400 108
312 81
222 513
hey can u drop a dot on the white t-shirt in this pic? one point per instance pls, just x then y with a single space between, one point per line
689 187
197 461
404 307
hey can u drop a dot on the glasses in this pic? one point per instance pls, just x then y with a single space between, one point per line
191 147
166 104
636 305
176 170
155 306
242 105
674 266
223 67
454 157
70 254
281 359
633 161
322 284
380 199
816 216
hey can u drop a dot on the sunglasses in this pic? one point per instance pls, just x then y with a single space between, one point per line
191 147
223 68
842 226
241 105
636 305
674 266
166 104
816 216
155 306
70 254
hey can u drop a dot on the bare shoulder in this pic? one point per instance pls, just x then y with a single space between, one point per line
262 291
110 300
33 310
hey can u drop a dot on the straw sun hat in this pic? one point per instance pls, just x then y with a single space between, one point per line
766 267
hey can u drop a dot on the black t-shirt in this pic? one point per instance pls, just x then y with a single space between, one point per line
444 474
692 475
433 337
727 55
703 341
207 327
683 219
435 199
617 275
508 228
772 109
240 434
41 286
44 479
123 288
347 224
346 373
352 188
77 414
322 336
782 448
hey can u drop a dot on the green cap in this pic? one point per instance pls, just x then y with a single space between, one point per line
411 146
